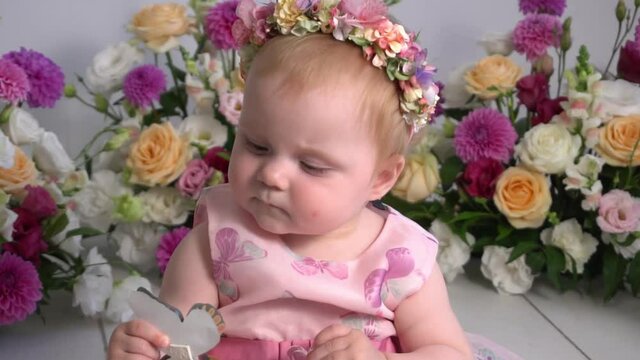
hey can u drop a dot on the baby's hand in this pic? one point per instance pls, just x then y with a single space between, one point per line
136 339
341 342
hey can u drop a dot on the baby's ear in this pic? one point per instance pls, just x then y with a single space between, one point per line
385 177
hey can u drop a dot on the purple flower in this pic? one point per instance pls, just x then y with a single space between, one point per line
485 134
20 289
535 33
14 83
218 24
629 60
143 85
439 106
552 7
39 202
27 237
194 178
168 244
45 77
619 212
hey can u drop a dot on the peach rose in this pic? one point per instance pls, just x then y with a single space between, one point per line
491 76
159 156
419 178
618 140
523 197
159 25
22 173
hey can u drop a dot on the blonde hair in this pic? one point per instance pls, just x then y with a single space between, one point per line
317 60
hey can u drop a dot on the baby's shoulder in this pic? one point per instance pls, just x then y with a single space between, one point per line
214 203
404 230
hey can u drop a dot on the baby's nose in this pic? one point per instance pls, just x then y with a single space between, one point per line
273 174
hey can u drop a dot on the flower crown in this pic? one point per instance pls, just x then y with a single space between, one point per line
363 22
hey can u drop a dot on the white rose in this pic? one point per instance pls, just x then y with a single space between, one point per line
165 206
94 203
137 243
577 245
204 130
118 309
7 152
455 90
72 245
627 252
22 128
616 98
7 218
548 148
495 43
453 253
110 66
512 278
92 289
51 157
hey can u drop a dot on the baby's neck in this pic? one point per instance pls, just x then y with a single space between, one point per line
343 244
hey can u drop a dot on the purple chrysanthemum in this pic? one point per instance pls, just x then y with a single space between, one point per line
14 83
143 85
168 244
45 77
20 288
218 24
535 33
485 134
552 7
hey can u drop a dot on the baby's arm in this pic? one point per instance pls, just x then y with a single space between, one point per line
426 325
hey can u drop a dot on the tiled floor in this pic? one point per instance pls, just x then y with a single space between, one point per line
543 325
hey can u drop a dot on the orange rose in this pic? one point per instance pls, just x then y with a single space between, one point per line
491 76
158 25
619 139
159 156
21 174
523 197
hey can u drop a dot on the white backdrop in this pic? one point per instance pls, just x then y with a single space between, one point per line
71 31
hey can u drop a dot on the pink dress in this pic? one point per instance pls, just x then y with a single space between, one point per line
274 302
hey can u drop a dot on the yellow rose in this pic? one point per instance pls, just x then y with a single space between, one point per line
159 156
523 197
618 139
158 25
491 76
20 175
419 178
286 15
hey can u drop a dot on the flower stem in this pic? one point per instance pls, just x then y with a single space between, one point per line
107 113
183 105
619 40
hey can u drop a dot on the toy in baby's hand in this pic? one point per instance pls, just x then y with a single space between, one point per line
190 336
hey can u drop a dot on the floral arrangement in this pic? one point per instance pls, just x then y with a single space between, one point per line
536 185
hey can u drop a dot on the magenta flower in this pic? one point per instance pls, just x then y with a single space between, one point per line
480 177
27 237
619 212
535 33
629 60
485 134
440 105
168 244
39 202
552 7
532 89
20 289
45 77
143 85
218 158
194 178
218 24
14 83
366 11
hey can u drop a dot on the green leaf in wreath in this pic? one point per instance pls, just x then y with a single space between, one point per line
613 267
449 171
523 248
634 275
84 232
55 225
555 265
536 261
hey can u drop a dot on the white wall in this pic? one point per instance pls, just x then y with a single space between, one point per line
72 31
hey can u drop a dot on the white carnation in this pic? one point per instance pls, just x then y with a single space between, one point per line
548 148
453 253
118 309
92 289
22 128
575 243
165 206
72 245
51 157
617 240
94 203
512 278
110 66
137 243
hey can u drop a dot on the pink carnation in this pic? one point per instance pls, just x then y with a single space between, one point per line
219 22
553 7
39 202
27 237
485 134
20 289
14 82
168 244
194 178
535 33
619 212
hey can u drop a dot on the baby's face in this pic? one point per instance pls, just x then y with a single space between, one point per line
301 163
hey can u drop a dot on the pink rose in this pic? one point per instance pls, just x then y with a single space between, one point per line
231 106
194 178
39 202
619 212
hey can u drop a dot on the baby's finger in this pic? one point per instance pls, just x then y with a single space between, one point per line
141 347
143 329
330 347
331 332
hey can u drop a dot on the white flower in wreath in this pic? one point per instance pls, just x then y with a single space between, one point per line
22 128
453 252
118 309
575 243
512 278
620 240
7 152
616 98
109 67
94 203
51 157
92 289
496 43
548 148
165 206
73 244
204 130
137 243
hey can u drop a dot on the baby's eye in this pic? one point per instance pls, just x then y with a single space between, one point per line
255 148
313 169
